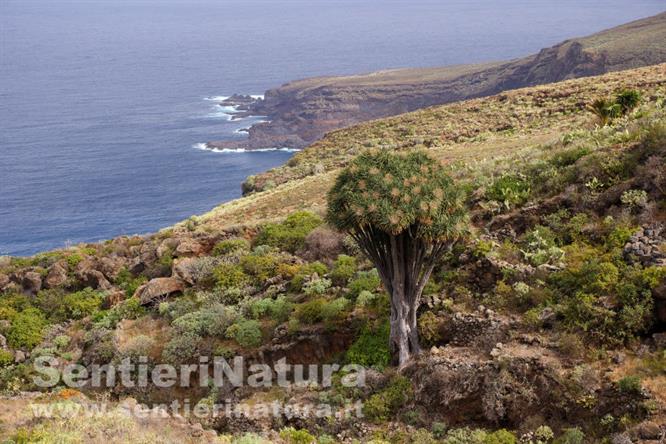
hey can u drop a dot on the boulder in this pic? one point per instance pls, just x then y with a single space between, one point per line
89 276
646 430
113 298
167 245
57 275
4 281
19 356
3 343
158 289
189 248
31 282
111 266
183 269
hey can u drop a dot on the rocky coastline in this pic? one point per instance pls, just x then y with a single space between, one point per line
302 112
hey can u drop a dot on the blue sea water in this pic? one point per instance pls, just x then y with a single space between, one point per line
103 101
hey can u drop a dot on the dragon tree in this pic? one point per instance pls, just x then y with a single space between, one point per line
404 212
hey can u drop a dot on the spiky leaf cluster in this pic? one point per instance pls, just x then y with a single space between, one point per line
396 191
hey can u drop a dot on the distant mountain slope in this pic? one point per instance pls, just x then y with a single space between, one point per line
303 111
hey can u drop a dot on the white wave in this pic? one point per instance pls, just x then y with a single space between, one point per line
257 96
205 147
216 98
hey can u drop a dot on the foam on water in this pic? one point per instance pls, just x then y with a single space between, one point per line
205 147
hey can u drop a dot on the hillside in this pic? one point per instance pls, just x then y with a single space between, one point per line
301 112
547 324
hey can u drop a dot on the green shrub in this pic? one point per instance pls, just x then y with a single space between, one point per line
628 99
384 404
128 309
278 309
211 321
73 260
6 358
261 267
465 436
540 246
568 157
246 332
292 436
371 347
334 309
306 271
501 436
365 299
630 385
80 304
364 281
289 235
510 190
543 434
316 287
27 329
229 275
250 438
429 327
128 283
61 341
344 269
228 246
311 312
181 348
571 436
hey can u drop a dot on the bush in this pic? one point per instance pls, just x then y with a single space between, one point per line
371 347
630 385
634 199
510 190
212 321
344 269
80 304
292 436
128 309
261 267
278 309
306 271
364 281
128 283
6 358
290 234
316 286
229 275
334 309
465 436
138 346
429 327
628 99
228 246
246 332
311 312
181 348
27 329
571 436
365 299
384 404
501 436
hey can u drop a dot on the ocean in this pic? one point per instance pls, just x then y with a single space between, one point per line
103 103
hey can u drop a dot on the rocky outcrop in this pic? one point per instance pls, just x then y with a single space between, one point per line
31 282
158 289
57 275
647 246
301 112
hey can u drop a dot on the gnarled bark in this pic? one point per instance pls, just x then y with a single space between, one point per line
404 262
